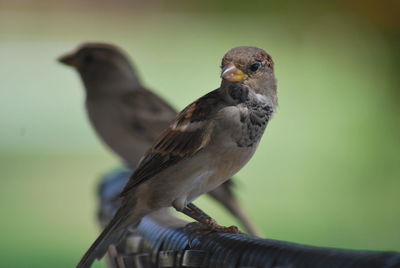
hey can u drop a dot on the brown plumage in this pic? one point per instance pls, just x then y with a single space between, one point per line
176 142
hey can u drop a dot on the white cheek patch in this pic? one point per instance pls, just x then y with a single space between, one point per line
261 98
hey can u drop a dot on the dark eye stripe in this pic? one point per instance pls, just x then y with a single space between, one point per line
88 58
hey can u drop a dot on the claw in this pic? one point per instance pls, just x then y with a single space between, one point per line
212 224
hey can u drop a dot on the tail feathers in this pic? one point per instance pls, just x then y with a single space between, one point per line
112 234
224 195
234 207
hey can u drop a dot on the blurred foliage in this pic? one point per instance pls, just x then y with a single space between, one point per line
327 172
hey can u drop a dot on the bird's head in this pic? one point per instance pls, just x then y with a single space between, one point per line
100 64
251 68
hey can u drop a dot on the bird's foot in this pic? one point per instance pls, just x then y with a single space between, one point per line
208 227
214 226
195 230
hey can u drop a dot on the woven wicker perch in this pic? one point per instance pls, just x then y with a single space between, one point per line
162 240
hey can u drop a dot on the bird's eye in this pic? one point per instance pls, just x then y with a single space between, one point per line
254 66
88 59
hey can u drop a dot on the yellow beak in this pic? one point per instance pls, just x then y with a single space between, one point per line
233 74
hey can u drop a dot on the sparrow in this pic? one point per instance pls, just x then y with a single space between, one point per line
207 143
126 115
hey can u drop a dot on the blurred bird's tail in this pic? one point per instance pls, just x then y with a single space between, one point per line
224 195
112 234
234 207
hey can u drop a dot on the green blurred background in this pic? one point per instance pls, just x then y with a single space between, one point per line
327 172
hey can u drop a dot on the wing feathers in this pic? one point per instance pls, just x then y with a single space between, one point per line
187 135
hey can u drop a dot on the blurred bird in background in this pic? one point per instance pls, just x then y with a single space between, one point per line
129 117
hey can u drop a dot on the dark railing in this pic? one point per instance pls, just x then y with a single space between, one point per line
162 240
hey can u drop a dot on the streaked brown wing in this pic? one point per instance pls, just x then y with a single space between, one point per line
188 134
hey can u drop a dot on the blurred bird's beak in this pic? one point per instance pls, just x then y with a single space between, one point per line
232 73
69 59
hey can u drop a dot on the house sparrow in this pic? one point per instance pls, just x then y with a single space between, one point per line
207 143
127 116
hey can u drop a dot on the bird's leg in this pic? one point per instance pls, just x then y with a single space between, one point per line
197 214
